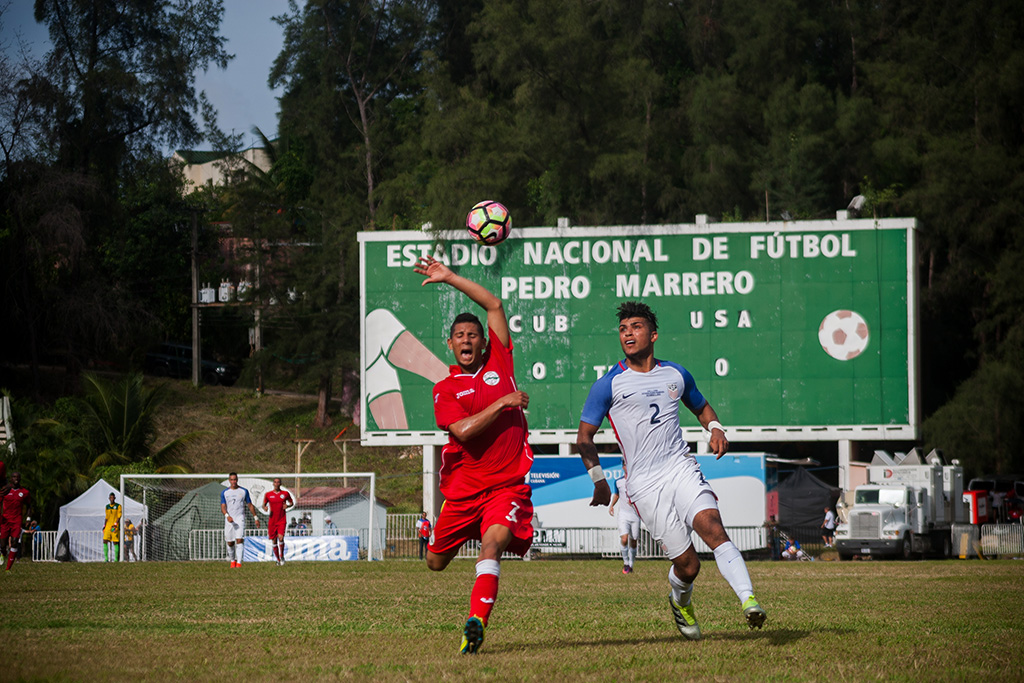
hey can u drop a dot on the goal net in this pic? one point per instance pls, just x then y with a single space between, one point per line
336 516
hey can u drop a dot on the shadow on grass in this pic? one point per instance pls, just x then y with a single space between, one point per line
774 637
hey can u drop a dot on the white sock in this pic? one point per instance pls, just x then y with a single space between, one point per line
488 567
681 591
231 552
238 551
625 554
734 570
632 556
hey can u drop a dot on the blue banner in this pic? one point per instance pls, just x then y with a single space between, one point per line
321 548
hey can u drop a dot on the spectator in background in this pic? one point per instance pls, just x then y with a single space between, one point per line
293 527
828 527
330 528
772 527
129 542
31 532
423 531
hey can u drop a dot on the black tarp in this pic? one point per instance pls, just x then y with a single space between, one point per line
802 500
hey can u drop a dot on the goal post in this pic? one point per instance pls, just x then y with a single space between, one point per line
336 516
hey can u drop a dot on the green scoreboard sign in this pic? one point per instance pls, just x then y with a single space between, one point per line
794 331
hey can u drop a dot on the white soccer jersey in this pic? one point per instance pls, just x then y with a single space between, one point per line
643 408
235 500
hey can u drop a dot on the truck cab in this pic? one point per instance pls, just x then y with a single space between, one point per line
906 508
879 523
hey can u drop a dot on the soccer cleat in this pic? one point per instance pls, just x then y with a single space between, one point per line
686 621
625 569
754 613
472 636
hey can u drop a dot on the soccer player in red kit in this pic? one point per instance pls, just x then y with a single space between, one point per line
15 506
486 460
279 502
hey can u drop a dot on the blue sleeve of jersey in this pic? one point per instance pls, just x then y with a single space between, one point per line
692 398
247 499
599 401
223 500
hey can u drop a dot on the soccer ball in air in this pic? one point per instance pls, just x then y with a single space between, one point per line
843 334
489 222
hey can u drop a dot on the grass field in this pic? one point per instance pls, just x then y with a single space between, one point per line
555 620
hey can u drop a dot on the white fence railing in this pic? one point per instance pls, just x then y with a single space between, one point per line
208 544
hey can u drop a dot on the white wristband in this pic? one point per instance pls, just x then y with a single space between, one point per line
715 424
596 474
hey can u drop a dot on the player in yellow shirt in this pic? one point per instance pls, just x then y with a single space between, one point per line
111 540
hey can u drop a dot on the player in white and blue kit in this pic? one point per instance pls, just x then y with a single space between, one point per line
233 501
629 523
640 396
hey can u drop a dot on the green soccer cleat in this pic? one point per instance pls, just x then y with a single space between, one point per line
686 621
754 613
472 636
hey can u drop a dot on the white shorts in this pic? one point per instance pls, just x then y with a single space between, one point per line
234 531
668 510
629 521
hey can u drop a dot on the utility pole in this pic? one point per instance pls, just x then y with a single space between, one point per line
197 352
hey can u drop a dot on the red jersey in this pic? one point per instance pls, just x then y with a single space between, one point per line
277 501
500 456
14 503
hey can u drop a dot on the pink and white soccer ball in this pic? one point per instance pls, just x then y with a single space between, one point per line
843 334
489 222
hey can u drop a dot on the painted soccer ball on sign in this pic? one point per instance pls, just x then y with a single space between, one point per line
489 222
843 334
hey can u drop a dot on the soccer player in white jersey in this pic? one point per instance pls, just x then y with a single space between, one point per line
629 523
233 501
640 396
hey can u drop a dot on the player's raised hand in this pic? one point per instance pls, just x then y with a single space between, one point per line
433 269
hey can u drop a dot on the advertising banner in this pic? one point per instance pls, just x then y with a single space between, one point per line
320 548
794 331
562 489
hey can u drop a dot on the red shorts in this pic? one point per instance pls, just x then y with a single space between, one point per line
466 520
10 530
276 527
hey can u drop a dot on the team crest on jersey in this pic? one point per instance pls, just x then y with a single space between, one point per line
490 378
673 390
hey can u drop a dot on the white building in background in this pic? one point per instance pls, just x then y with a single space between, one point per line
202 167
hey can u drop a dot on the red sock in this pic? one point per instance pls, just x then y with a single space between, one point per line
485 592
10 559
277 553
280 551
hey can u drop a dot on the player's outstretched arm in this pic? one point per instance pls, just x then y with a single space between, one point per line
437 272
469 427
255 519
717 444
591 460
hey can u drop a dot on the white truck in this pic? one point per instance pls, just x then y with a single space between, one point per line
906 508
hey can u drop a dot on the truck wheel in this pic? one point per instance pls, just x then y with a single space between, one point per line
211 378
947 547
906 550
844 557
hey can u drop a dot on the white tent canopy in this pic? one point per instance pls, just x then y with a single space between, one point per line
84 516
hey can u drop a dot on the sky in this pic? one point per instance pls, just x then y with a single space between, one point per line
239 93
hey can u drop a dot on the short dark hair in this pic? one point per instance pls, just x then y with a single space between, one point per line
637 309
232 474
466 318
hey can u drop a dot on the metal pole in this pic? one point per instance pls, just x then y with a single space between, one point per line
196 350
